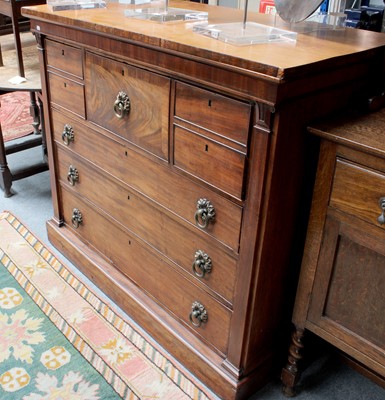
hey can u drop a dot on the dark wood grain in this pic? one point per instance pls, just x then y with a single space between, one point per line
146 124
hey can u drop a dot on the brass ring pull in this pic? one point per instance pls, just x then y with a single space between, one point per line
68 135
205 213
198 315
122 105
77 218
73 175
381 203
202 264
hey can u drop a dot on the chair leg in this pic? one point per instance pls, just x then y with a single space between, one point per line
5 173
42 127
35 113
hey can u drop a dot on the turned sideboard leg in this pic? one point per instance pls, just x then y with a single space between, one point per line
290 373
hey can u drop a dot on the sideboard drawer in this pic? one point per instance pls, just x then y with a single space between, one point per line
67 93
209 161
142 95
173 239
149 272
174 192
217 113
358 190
64 58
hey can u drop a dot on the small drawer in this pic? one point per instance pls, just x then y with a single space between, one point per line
178 194
359 191
153 275
134 103
206 264
221 166
222 115
64 58
67 93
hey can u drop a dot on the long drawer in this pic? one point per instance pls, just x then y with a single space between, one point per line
211 266
153 179
152 274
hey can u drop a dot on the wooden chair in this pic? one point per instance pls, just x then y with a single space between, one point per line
12 9
8 176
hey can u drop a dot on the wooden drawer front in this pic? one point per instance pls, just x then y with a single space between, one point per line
139 215
67 93
220 114
146 123
155 180
148 271
209 161
64 58
357 191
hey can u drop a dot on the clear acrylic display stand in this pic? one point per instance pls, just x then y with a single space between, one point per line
163 13
247 33
60 5
239 33
244 33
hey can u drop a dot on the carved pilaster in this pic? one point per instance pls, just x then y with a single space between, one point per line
264 114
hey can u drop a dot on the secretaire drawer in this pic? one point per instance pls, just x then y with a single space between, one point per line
134 103
179 195
210 161
358 191
67 93
204 261
64 58
148 271
217 113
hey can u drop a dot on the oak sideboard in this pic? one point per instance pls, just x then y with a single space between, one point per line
181 172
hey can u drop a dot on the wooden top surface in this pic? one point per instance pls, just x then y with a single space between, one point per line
364 131
277 60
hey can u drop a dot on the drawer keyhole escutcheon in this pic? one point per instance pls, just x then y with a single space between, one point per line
381 203
68 135
205 213
122 105
73 175
77 218
202 264
198 315
62 52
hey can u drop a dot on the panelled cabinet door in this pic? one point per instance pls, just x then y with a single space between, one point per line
348 299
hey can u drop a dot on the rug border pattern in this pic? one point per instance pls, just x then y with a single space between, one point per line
154 355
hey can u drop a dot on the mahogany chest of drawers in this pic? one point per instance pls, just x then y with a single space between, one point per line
180 169
341 292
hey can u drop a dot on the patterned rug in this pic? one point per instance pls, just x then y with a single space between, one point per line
58 340
14 115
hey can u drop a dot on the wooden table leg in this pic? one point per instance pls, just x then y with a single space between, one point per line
291 372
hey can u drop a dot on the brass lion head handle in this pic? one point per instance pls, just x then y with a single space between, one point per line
122 105
205 213
198 315
202 264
